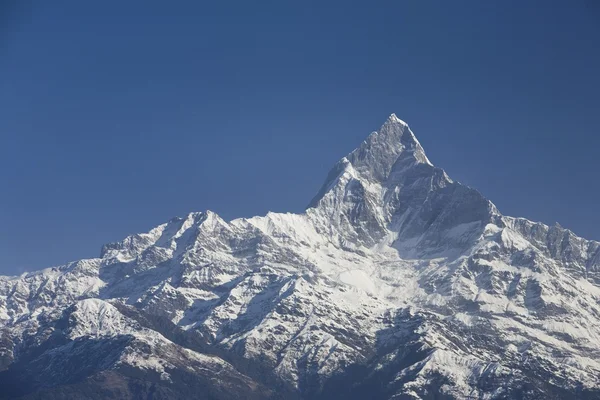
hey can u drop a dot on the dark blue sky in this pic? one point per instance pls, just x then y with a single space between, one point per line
116 116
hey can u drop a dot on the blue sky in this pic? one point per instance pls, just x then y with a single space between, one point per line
116 116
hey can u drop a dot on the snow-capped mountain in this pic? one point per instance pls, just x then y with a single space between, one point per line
395 283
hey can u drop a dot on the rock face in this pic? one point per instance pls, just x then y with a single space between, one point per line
395 283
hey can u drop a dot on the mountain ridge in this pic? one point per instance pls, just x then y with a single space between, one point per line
396 282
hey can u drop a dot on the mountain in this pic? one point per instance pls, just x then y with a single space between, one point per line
395 283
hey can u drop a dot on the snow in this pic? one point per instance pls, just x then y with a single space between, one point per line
394 119
359 279
391 248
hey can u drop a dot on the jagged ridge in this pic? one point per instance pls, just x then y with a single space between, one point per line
396 282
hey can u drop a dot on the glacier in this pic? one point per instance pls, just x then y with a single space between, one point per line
396 282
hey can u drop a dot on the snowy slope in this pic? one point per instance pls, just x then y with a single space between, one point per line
396 282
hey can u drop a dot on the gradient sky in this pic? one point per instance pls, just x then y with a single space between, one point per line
117 115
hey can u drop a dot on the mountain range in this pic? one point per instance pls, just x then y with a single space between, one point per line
396 282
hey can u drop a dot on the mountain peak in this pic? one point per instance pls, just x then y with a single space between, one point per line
392 145
376 156
393 119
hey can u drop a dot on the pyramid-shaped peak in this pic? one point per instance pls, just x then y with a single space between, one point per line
394 134
392 146
382 149
393 119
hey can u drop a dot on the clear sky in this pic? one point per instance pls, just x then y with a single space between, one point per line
117 115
